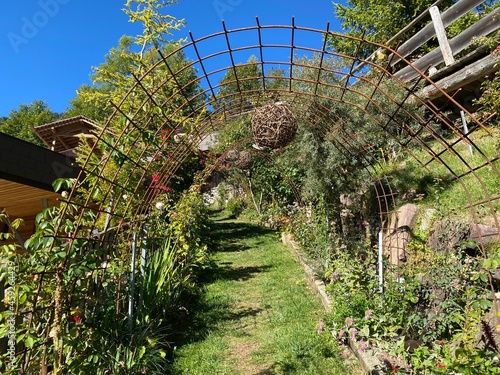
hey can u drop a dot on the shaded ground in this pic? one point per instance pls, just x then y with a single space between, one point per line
256 315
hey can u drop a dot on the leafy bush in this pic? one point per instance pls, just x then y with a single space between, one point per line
490 100
85 288
235 206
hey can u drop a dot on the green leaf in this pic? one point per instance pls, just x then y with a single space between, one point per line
485 304
487 264
23 298
57 184
29 342
62 184
60 254
484 277
142 350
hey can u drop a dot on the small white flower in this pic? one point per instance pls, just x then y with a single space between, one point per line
159 205
65 194
125 196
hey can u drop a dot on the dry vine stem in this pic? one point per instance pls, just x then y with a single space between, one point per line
273 126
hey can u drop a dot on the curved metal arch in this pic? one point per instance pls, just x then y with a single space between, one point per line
295 89
140 119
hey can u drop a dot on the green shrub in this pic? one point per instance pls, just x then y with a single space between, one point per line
235 206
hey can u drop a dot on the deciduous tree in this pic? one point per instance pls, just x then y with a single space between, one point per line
20 121
377 21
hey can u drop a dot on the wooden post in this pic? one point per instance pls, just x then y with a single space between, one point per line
441 35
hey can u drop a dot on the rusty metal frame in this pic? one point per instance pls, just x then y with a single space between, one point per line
311 106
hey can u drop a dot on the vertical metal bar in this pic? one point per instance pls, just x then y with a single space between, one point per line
292 50
466 130
261 54
132 285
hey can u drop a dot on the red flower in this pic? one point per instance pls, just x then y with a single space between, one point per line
77 319
155 178
440 365
394 369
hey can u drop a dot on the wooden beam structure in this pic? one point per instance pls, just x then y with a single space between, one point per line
483 27
464 76
448 16
26 175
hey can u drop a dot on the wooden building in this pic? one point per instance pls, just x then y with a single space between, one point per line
27 171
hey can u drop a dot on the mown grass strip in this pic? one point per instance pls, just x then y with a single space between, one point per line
256 314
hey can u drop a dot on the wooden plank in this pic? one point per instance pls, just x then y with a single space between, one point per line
461 78
448 16
444 45
468 59
483 27
394 37
20 200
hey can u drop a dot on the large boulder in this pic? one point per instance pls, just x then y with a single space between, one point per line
447 235
483 234
400 233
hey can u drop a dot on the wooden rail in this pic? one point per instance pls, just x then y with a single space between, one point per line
485 26
448 17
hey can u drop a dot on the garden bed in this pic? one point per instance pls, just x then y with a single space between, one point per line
373 361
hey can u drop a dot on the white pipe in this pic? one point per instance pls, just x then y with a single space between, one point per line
132 286
380 263
144 245
466 130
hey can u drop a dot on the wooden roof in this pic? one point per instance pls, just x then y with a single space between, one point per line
26 175
63 135
20 200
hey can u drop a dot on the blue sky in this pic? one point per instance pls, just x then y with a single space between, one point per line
48 47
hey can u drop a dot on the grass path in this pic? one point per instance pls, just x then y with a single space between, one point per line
256 314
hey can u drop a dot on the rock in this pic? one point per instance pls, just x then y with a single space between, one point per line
425 221
496 276
397 241
397 244
483 234
407 216
448 234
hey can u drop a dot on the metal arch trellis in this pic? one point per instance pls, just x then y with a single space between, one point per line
141 119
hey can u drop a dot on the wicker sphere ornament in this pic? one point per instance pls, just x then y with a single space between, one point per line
245 161
273 126
232 155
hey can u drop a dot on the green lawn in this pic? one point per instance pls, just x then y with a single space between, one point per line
256 314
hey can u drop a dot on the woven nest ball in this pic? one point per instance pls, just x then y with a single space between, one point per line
273 126
245 160
232 155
